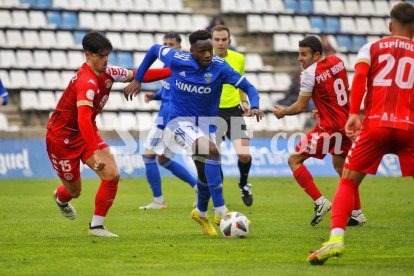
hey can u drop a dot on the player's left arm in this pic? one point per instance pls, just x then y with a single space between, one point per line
4 99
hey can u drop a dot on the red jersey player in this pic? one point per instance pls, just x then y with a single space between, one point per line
72 135
324 79
386 68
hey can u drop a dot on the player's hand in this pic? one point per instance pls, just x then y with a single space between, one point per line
279 111
246 107
353 126
315 114
256 113
99 162
132 89
148 97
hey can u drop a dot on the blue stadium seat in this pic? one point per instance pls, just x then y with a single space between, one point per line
54 17
317 22
344 42
332 25
78 35
306 6
357 42
44 3
113 59
125 60
31 3
69 20
292 5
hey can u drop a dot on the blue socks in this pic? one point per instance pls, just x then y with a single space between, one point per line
215 182
180 172
203 196
153 175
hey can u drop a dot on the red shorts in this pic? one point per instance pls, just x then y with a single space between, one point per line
372 144
65 153
318 143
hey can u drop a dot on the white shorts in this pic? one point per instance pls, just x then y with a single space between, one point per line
157 142
183 134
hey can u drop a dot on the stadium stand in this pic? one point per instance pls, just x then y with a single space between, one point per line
41 45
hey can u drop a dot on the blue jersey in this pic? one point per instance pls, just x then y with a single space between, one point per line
163 95
194 90
3 93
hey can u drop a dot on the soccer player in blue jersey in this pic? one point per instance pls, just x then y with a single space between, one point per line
3 95
197 80
154 144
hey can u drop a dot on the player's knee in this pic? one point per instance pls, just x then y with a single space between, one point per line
293 162
245 158
75 193
162 159
339 170
213 153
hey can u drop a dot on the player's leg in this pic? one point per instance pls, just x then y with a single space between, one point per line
153 146
177 169
305 180
357 218
69 173
363 158
153 176
199 214
245 161
212 172
106 193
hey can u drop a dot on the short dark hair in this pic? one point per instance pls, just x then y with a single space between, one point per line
96 43
312 42
220 28
403 12
199 35
173 35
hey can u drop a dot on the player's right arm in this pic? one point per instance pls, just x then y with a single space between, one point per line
84 103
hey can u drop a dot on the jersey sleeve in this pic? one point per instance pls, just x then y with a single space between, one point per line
118 74
163 53
307 80
86 90
364 54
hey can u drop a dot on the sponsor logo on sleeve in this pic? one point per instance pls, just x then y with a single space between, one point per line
90 94
108 83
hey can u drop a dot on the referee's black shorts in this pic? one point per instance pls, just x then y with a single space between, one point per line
235 115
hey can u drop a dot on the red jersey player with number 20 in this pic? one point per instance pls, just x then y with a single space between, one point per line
386 68
72 135
324 80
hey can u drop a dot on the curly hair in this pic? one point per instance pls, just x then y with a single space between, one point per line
199 35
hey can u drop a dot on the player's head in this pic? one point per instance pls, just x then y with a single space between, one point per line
172 40
310 51
220 35
201 47
97 48
402 19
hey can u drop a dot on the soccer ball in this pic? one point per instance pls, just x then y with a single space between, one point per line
234 225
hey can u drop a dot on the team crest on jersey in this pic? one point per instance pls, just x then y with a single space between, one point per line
68 176
207 77
108 83
165 51
90 94
103 101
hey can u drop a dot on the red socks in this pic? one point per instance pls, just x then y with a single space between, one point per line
105 196
343 203
305 180
62 194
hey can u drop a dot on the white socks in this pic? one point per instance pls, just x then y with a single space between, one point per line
97 220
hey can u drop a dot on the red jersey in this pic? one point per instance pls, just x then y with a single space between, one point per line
327 82
389 101
84 87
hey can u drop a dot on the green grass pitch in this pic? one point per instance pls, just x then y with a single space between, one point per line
35 239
